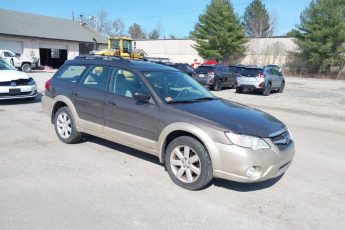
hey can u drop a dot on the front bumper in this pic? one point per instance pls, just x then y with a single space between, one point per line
234 161
26 91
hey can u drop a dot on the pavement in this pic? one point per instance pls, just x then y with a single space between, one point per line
96 184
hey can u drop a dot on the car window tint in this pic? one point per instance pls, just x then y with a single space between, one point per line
8 54
190 69
126 83
251 72
204 69
71 73
97 78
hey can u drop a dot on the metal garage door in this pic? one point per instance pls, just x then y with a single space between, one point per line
15 47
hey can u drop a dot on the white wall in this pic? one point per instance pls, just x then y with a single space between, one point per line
30 46
260 51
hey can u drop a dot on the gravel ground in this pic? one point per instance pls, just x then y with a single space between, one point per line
96 184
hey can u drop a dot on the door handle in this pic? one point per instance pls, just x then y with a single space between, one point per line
75 93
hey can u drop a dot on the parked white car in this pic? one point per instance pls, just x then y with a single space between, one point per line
15 84
24 64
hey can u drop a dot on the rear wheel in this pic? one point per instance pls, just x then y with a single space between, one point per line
267 91
65 126
218 86
188 163
26 68
239 90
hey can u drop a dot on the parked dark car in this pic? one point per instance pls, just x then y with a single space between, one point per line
214 76
183 67
260 79
164 112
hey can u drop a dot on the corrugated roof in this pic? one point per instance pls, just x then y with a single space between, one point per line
39 26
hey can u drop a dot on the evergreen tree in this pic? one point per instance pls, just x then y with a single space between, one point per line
154 34
320 35
256 20
219 33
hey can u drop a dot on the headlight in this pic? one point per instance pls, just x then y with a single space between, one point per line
31 81
254 143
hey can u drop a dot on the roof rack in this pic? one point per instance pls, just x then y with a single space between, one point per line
102 57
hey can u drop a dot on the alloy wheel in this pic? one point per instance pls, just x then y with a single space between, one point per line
185 164
64 125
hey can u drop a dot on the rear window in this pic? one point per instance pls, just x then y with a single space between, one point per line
251 72
204 69
71 73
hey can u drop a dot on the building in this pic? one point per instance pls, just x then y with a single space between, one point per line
260 51
52 40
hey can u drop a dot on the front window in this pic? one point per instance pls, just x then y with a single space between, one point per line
5 66
9 54
127 46
175 87
114 44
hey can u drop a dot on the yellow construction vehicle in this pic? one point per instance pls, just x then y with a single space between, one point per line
121 46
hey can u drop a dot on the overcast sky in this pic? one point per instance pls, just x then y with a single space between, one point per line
176 17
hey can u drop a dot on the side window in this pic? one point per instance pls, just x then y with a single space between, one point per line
71 73
190 69
125 83
97 78
7 54
269 71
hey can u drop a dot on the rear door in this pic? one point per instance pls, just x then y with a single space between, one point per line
90 96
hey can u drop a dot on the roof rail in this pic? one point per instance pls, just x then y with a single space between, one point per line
102 57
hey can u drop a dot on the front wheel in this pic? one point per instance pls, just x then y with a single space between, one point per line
26 68
65 126
188 163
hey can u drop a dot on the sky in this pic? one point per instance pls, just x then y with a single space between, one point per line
175 17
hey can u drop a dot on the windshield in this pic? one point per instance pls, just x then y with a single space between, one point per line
251 72
173 86
127 46
5 66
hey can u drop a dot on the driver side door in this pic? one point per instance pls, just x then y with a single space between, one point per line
126 119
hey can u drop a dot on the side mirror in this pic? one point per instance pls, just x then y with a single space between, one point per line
17 54
141 96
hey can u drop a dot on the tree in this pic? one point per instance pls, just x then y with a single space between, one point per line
102 23
320 35
117 28
256 20
154 34
136 32
218 33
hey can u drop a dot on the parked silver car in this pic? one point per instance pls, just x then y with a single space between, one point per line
263 80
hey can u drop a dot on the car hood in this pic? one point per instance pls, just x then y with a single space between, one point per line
234 117
9 75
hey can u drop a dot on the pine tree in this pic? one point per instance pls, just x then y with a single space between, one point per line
256 20
154 34
320 35
219 33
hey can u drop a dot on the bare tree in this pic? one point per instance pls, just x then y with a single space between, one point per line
117 28
136 32
272 23
102 23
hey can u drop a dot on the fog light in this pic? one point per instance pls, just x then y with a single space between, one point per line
251 171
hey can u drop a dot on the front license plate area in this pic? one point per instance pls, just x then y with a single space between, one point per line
14 91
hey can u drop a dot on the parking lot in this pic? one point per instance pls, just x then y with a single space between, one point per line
96 184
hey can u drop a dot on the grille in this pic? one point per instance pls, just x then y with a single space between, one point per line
18 82
282 140
19 94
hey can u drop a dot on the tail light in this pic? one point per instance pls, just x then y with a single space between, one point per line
261 75
47 84
210 74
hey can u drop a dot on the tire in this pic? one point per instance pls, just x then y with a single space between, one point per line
188 163
65 127
26 68
281 89
267 91
239 90
218 86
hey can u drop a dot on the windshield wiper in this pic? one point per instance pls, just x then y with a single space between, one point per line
194 100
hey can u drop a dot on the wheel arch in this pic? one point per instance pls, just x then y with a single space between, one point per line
61 101
177 129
